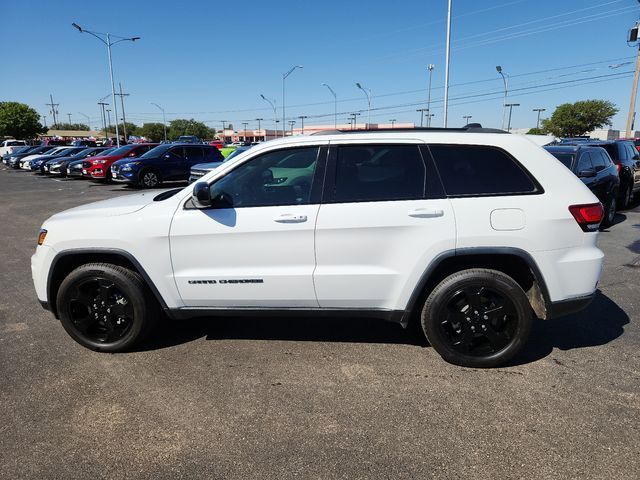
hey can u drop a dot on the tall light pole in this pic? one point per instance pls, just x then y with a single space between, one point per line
632 38
284 77
430 67
393 122
259 130
69 115
422 110
367 92
355 124
335 105
505 81
446 67
466 118
291 124
164 120
511 105
538 121
302 117
275 114
88 119
109 44
102 104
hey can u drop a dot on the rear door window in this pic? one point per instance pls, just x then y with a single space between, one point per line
598 160
475 170
584 162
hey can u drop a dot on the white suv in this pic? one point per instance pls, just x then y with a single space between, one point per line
470 231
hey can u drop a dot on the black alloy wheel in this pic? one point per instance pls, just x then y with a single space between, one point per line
477 318
626 197
610 212
149 179
105 307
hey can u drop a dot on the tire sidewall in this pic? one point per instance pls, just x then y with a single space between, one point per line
131 289
437 301
145 172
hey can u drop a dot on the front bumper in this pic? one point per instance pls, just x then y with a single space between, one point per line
567 307
127 176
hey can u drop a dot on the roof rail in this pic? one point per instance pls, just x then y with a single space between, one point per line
472 128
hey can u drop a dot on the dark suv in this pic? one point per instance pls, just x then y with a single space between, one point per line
627 159
164 163
594 167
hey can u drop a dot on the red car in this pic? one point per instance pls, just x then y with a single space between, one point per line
99 168
217 143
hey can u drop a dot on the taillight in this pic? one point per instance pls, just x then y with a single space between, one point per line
588 216
618 166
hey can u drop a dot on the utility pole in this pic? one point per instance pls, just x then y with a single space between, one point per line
393 122
633 38
44 119
223 128
302 117
124 118
291 124
538 121
54 110
446 67
355 123
466 118
245 130
104 118
259 129
69 115
422 110
510 105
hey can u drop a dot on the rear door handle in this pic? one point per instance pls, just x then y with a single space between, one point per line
426 212
290 218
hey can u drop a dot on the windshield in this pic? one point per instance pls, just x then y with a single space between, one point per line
236 152
157 151
83 153
121 150
565 158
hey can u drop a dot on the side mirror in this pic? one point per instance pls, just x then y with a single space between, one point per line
132 154
588 173
201 197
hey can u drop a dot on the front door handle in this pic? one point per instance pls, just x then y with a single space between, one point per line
290 218
426 212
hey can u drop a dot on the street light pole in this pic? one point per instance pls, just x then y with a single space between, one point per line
164 121
446 66
505 81
335 105
355 123
393 122
538 121
467 117
511 105
109 118
291 124
302 117
430 67
367 92
109 44
275 114
104 117
284 77
422 110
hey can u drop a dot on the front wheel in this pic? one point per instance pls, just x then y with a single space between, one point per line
149 179
477 318
105 307
626 197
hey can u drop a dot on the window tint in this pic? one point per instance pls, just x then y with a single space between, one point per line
584 162
175 153
194 154
632 151
212 155
565 158
598 160
379 173
612 150
479 170
282 177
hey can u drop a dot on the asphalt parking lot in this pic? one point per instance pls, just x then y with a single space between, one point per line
300 398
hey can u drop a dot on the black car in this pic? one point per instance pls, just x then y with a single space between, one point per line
58 165
594 167
37 163
165 162
625 155
14 160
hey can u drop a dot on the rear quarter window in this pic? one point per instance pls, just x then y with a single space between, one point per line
478 170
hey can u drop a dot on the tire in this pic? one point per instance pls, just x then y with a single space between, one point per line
610 211
106 307
150 179
626 197
477 318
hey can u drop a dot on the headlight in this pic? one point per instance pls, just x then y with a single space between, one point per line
41 236
99 162
127 167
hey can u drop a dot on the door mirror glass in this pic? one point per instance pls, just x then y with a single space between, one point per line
201 197
590 172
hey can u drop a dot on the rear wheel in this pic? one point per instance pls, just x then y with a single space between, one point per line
477 318
149 179
105 307
610 211
626 197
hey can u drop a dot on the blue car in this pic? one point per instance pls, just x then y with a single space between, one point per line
167 162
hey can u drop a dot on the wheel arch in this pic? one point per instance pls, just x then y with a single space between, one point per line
67 261
516 263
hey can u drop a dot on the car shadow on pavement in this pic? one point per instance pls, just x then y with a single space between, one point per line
600 323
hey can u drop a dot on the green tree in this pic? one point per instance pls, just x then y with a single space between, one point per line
574 119
152 131
132 129
71 126
19 120
536 131
182 126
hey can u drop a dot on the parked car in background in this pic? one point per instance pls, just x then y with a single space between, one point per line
58 165
627 159
8 146
594 167
201 169
14 160
217 143
16 151
188 139
84 143
38 163
167 162
99 168
25 163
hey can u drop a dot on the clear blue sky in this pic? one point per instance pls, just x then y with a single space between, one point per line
212 60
